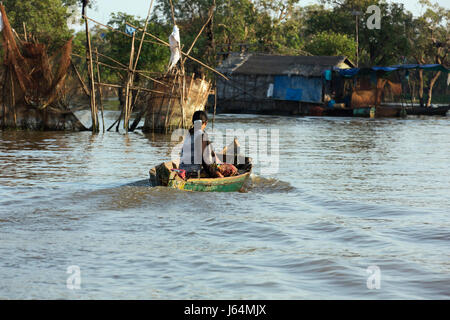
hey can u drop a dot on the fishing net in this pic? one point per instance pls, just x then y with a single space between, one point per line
370 93
34 78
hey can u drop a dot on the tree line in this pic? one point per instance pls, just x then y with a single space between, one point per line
276 27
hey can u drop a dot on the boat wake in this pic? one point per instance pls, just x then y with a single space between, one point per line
257 184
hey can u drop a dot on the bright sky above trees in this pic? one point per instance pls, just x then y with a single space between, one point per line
104 8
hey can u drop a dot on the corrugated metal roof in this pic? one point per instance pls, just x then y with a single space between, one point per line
265 64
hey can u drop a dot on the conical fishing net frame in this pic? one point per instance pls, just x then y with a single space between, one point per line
35 78
33 93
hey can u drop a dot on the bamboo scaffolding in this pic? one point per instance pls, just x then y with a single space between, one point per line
179 79
183 53
134 88
124 68
115 30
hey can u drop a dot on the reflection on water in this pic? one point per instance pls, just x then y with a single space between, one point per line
350 193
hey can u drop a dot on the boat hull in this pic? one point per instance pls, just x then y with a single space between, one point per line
228 184
427 111
165 175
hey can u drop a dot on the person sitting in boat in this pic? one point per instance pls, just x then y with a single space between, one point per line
198 156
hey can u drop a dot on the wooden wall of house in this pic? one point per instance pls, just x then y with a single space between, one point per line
242 87
248 94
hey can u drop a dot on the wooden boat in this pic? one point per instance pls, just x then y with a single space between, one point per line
427 111
163 175
166 175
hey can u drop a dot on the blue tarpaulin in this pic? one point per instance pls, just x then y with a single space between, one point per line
298 88
349 73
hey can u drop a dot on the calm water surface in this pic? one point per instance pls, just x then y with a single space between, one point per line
350 193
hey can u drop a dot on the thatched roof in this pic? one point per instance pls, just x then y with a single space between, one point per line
265 64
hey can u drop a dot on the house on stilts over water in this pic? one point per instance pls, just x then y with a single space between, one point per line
276 84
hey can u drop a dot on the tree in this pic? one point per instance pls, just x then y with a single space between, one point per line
377 46
430 43
331 44
46 20
154 56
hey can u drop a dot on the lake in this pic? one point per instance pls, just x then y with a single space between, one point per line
353 208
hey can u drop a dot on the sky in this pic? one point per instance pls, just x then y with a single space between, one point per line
103 9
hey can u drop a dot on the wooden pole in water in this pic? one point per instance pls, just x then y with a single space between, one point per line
100 91
94 113
128 86
215 102
4 98
129 104
13 100
182 85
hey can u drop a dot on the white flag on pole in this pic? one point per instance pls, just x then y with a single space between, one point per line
174 41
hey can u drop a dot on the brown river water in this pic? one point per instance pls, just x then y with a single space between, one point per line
348 194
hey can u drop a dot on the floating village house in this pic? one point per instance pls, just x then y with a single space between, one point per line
275 84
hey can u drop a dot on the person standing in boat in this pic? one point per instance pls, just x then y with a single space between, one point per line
198 153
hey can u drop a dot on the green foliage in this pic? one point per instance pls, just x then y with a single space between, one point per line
44 19
331 44
277 27
154 56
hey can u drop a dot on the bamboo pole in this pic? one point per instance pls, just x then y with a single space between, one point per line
13 100
133 88
167 122
118 31
201 30
143 37
129 104
5 75
182 79
83 85
179 45
100 92
94 114
215 103
127 87
25 32
123 68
